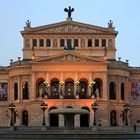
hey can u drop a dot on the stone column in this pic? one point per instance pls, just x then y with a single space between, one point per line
79 42
9 90
100 42
119 89
65 42
126 97
72 42
91 116
47 117
105 87
77 121
32 91
89 82
93 42
48 84
45 45
106 43
37 43
120 121
61 120
86 43
19 88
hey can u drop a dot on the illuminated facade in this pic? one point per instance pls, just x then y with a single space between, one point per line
70 66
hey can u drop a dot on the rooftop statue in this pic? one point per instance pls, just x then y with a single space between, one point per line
69 47
28 24
69 10
110 24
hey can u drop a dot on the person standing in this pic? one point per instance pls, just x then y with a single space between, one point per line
134 128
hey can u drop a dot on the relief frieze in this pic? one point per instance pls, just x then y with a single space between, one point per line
68 58
71 29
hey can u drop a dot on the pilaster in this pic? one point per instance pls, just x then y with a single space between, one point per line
77 121
61 120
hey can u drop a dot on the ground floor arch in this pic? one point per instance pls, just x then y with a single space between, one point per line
54 118
84 118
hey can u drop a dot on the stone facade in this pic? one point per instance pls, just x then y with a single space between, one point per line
74 78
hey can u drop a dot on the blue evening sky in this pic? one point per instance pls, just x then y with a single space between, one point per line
124 13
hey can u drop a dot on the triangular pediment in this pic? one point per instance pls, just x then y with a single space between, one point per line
67 57
69 27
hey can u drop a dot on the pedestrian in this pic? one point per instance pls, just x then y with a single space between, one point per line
134 127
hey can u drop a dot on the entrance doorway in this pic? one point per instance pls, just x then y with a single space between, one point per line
84 119
54 119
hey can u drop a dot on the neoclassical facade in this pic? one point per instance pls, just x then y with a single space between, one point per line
70 66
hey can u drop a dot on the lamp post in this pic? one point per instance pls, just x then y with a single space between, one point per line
94 108
12 107
126 108
43 107
77 83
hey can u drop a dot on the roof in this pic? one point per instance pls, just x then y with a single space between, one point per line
69 26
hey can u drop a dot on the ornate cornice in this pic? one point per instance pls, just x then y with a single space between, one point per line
67 57
70 27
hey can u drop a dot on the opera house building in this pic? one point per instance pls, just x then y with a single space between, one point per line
69 77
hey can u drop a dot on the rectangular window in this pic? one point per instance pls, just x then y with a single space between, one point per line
41 42
96 42
89 42
75 42
34 42
103 42
48 42
62 42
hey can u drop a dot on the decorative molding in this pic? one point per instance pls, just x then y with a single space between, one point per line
68 58
70 29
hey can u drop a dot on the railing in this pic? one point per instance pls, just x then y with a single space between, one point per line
68 96
118 63
135 68
3 67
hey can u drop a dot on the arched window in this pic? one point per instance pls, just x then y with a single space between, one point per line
97 88
113 118
25 90
25 117
40 87
83 89
55 88
69 89
112 91
122 91
15 91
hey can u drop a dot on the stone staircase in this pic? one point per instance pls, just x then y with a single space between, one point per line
29 133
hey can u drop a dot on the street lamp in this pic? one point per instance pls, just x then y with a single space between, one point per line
77 83
126 108
12 107
94 108
43 107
